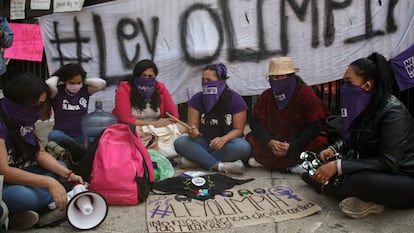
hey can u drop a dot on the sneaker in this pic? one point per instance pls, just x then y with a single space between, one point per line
356 208
185 163
310 181
4 218
298 169
236 167
52 218
253 163
24 220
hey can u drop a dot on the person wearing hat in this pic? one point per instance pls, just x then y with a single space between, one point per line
286 120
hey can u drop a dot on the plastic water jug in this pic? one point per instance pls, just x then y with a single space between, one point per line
95 122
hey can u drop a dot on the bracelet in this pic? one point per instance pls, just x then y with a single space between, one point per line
333 148
339 166
69 174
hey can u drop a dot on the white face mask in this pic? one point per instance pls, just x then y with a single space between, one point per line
74 88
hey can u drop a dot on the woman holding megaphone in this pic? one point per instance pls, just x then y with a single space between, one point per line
30 173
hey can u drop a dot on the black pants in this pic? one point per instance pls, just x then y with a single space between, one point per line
391 190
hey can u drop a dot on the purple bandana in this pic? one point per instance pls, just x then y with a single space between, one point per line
354 100
403 66
283 90
24 117
211 92
221 70
146 87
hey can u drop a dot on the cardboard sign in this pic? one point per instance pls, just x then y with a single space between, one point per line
232 208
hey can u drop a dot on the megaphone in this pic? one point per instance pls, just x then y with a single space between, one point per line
86 209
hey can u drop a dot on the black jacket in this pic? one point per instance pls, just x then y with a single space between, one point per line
382 140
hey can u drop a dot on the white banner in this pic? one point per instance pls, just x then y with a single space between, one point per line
183 36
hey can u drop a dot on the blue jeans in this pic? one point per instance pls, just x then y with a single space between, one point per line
197 150
58 135
20 197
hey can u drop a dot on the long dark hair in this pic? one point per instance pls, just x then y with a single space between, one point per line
24 89
137 101
70 70
225 98
377 69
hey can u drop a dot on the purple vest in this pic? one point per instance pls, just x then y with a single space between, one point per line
211 128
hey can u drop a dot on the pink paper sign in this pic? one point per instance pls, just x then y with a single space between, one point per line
27 42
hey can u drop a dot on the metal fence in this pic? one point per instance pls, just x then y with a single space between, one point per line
328 92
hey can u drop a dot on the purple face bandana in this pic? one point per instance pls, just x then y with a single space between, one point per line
211 92
354 100
24 117
146 87
283 90
403 66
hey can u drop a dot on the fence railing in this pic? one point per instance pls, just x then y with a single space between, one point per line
328 92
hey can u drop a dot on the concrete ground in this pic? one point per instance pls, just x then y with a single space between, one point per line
329 219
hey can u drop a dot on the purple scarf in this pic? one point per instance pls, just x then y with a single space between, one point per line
24 117
146 87
211 92
354 100
283 90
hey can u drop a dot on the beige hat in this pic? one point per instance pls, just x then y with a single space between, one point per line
281 66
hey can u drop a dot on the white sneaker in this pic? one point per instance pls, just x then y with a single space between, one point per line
356 208
185 163
253 163
236 167
298 169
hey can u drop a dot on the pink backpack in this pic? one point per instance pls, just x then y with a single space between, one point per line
122 170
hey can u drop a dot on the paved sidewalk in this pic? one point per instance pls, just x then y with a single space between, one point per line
329 219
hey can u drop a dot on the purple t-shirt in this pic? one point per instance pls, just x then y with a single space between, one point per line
211 129
69 110
5 136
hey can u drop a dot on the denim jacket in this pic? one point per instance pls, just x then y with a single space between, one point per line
5 42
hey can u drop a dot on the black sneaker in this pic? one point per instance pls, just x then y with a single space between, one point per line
309 180
24 220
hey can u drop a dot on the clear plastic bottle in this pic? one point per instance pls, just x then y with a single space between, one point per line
95 122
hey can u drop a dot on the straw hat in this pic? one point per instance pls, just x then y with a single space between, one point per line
281 66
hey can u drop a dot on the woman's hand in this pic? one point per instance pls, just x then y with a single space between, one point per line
162 122
325 172
217 143
75 179
326 154
58 193
193 132
278 148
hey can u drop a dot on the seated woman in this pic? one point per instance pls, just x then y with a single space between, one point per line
143 101
376 144
287 120
30 173
70 92
217 116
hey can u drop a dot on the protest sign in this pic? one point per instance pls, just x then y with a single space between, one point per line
27 42
182 37
232 208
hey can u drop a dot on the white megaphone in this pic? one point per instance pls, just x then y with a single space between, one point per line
86 209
